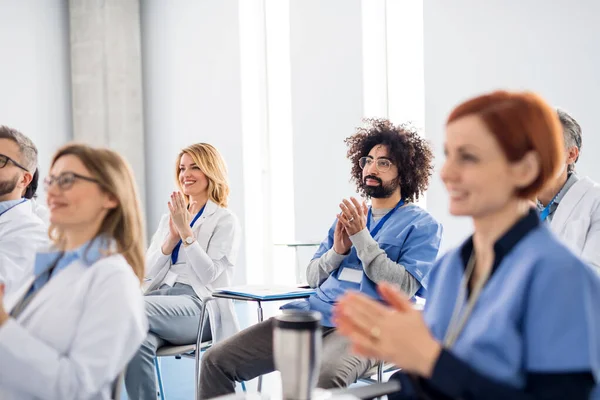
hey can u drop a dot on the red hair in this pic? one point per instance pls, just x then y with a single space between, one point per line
520 122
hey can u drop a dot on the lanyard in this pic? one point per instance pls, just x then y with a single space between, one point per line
11 207
175 252
462 312
382 220
546 211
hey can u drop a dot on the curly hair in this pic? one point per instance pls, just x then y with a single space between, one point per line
407 150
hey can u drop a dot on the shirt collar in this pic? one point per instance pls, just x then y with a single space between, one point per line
88 254
507 242
8 204
571 180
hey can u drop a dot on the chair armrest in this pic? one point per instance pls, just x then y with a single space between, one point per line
370 391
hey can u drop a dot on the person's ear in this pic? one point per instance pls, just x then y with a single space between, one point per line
526 170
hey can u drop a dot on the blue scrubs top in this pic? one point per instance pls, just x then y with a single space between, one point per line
410 237
537 314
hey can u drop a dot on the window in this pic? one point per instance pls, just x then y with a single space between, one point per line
393 87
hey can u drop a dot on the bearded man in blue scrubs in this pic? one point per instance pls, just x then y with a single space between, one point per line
392 241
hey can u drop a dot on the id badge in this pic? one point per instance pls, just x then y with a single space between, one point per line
351 275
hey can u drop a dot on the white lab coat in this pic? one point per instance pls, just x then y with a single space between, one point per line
576 220
75 336
22 233
218 236
41 211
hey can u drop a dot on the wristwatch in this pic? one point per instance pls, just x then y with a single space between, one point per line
189 240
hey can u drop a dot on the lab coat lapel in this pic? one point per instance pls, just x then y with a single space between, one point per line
569 203
59 283
209 210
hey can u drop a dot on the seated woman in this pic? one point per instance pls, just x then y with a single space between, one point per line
74 326
193 251
512 314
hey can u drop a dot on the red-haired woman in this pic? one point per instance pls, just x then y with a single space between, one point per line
511 313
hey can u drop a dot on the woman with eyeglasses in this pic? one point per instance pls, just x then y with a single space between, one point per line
193 251
512 313
22 229
71 329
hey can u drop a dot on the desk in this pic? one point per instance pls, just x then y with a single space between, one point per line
259 301
220 295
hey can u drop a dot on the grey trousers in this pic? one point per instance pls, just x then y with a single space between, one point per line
250 353
173 316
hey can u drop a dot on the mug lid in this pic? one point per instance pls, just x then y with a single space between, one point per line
298 320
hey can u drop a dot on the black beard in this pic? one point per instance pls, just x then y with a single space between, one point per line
382 191
8 186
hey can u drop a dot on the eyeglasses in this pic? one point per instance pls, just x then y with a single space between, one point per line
5 159
66 180
382 164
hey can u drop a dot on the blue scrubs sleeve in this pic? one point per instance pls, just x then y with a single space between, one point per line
420 250
562 322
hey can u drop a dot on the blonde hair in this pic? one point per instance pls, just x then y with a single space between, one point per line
124 223
212 164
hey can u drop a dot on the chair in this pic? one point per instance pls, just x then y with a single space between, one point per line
375 391
188 351
378 369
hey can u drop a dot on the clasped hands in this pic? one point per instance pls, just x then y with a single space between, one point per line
180 217
351 220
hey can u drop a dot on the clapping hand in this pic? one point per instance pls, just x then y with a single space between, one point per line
180 215
396 333
353 215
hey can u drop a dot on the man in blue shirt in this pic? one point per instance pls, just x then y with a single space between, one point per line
393 241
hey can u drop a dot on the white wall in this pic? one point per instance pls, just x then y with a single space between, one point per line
192 89
35 88
191 68
472 46
327 106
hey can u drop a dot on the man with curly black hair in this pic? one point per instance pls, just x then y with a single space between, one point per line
406 150
393 241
